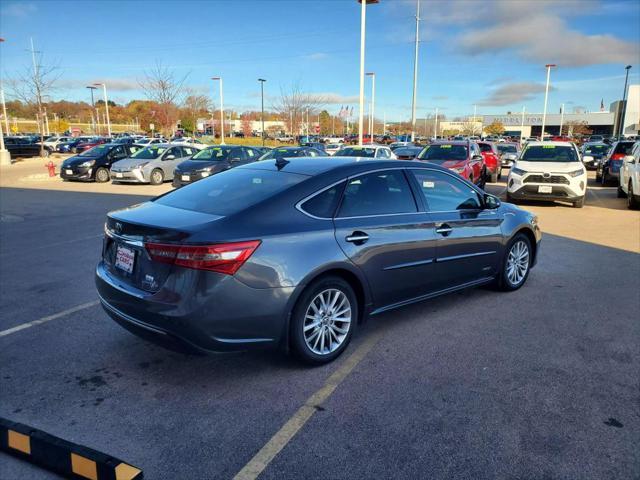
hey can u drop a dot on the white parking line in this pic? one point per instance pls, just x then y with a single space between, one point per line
48 318
283 436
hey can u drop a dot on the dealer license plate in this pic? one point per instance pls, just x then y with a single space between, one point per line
125 257
118 175
185 178
545 189
69 172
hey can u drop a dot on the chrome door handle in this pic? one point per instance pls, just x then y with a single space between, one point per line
357 238
444 230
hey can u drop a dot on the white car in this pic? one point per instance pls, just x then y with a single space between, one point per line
332 148
148 141
548 171
53 142
188 141
381 152
630 178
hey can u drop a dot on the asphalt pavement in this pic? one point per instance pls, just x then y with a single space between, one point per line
538 383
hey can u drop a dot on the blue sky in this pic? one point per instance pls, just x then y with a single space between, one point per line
490 53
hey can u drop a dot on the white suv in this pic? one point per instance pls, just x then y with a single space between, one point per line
630 178
548 171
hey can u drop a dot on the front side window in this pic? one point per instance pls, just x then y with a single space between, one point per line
378 193
148 153
445 193
212 154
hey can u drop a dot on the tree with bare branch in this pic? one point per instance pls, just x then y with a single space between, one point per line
296 107
194 106
161 85
33 85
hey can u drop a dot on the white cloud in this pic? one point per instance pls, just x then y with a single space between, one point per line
538 33
18 9
113 84
512 93
335 98
317 56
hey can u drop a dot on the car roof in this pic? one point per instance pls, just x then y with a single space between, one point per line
452 142
316 165
554 143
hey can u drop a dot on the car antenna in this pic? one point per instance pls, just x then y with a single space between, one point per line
281 163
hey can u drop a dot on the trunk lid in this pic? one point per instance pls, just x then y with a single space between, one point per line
127 230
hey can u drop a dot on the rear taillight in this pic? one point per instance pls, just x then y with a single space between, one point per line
617 156
222 257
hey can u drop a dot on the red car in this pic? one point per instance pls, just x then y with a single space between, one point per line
83 146
461 157
492 160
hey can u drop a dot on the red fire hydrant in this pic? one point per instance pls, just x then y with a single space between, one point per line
52 168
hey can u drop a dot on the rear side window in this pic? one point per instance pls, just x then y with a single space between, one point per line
625 148
230 191
485 147
444 193
377 193
324 204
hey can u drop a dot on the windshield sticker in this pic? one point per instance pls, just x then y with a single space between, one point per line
426 184
548 146
445 146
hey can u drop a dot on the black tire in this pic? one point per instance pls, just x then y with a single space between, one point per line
503 281
102 175
604 179
299 345
598 176
45 153
156 177
620 192
632 198
579 203
510 199
499 173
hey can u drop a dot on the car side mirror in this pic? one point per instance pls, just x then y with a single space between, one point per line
491 202
587 158
234 159
476 157
170 157
629 159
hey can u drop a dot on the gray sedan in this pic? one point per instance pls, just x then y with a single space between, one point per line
154 164
294 253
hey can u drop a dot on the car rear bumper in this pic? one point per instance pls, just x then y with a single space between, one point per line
210 313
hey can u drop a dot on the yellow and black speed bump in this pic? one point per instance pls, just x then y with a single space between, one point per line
58 455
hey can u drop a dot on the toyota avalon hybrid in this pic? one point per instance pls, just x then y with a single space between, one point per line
295 253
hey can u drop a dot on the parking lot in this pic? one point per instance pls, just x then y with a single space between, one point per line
539 383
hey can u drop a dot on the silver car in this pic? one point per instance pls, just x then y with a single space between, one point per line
154 164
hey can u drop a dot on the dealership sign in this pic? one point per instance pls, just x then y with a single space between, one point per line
513 119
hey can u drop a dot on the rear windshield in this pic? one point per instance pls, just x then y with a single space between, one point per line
485 147
214 154
507 149
231 191
596 149
434 153
624 148
549 153
149 153
96 151
356 152
277 153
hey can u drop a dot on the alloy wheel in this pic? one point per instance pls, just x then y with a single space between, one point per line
327 321
517 263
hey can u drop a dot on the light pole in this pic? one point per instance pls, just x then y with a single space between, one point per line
363 23
522 125
93 106
221 111
624 103
5 156
262 80
4 110
546 96
436 125
561 118
106 106
373 102
415 74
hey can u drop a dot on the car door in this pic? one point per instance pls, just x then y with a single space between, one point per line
476 160
469 236
384 232
117 153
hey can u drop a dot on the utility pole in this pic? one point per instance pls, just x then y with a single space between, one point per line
436 125
561 118
522 125
415 73
373 103
221 111
36 83
363 24
4 111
